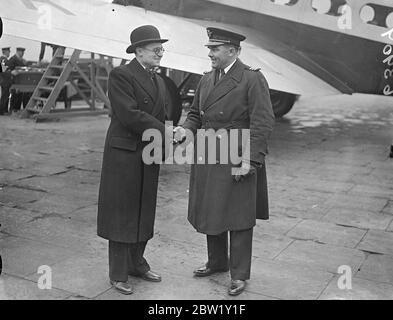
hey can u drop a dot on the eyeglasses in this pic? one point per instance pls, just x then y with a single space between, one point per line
157 51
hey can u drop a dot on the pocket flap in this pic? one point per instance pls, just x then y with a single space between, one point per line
123 143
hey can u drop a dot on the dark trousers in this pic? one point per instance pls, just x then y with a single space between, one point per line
126 259
17 98
5 95
240 251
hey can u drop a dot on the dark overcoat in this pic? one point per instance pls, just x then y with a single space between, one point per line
14 62
5 77
128 187
240 100
5 59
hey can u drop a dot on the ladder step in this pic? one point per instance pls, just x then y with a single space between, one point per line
40 99
46 88
35 110
55 67
51 77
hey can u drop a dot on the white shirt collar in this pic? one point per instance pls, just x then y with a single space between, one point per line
229 67
141 64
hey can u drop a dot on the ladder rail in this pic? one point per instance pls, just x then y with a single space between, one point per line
49 77
60 83
49 72
53 80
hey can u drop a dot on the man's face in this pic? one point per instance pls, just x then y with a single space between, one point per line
6 53
221 56
151 54
20 53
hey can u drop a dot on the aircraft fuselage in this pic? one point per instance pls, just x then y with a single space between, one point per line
348 63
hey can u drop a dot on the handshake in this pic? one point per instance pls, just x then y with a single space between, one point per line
178 134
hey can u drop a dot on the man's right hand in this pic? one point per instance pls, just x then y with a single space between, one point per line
179 135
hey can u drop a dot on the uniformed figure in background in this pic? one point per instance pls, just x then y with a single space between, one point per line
43 47
5 80
128 187
5 55
232 96
17 98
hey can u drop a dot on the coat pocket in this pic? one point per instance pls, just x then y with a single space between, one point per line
123 143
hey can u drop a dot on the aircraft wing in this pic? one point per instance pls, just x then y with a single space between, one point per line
104 28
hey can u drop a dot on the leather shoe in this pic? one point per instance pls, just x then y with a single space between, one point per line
206 271
151 276
236 287
122 287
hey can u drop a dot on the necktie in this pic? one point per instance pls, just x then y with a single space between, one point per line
219 74
222 73
152 74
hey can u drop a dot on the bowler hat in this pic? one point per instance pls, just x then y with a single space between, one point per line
144 35
20 49
6 49
218 37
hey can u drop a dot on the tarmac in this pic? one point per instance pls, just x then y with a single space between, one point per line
330 234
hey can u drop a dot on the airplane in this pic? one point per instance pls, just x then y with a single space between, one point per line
303 47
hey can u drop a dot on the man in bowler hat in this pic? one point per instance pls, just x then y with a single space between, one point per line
128 187
232 96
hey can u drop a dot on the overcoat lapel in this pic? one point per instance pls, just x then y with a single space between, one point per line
207 88
225 85
159 106
143 78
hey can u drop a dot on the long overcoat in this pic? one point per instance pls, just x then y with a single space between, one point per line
5 77
240 100
14 62
128 187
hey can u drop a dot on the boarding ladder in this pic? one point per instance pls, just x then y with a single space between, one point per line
43 101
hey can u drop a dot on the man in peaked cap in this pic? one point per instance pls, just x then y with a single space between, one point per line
128 187
5 54
230 97
17 98
17 59
5 80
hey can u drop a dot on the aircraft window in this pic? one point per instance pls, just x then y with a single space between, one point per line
285 2
389 20
377 15
136 3
330 7
367 13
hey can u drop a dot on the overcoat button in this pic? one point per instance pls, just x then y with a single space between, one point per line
202 113
145 100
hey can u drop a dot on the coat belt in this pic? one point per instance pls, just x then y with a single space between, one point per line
216 125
